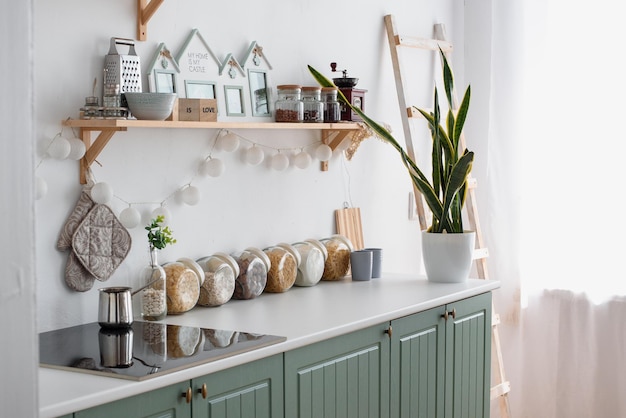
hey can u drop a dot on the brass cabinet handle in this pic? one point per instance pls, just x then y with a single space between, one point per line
203 391
187 395
389 331
447 314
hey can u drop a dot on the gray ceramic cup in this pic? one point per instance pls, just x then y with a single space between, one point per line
361 265
377 262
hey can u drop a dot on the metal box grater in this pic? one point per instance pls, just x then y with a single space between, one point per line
124 70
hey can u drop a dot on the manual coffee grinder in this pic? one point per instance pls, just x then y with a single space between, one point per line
355 96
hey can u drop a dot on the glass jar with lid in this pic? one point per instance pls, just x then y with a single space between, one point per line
220 271
337 263
313 256
253 266
182 287
289 106
332 108
283 268
312 103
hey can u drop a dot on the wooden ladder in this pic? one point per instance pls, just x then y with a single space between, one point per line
502 387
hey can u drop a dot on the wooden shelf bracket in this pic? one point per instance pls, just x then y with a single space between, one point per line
145 11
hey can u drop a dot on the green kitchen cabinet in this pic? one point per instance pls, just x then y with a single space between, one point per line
346 376
433 364
253 390
440 361
167 402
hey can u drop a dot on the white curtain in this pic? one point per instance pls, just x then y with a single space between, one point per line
553 190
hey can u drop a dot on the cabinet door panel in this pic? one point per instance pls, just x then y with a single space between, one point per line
253 390
417 365
346 376
161 403
468 343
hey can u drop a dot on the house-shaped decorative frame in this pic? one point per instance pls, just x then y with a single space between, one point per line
232 78
199 68
257 67
163 72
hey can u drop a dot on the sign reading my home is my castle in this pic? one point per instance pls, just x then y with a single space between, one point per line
197 62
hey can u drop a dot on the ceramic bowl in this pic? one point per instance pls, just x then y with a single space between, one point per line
150 106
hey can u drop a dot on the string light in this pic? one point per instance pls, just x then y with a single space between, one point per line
101 193
59 148
254 155
302 160
189 194
130 217
280 162
77 149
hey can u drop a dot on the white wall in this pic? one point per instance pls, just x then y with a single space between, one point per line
247 206
19 348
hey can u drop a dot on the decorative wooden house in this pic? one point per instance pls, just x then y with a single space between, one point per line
163 72
233 80
199 68
257 68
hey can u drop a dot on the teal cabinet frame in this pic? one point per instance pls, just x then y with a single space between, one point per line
346 376
440 367
253 390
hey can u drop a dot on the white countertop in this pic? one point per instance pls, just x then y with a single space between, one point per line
304 315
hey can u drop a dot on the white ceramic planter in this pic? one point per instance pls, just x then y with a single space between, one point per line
448 257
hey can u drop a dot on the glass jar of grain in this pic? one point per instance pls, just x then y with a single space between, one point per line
337 263
289 106
182 287
252 278
313 256
220 271
283 268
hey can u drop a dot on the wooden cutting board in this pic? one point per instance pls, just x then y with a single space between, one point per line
348 223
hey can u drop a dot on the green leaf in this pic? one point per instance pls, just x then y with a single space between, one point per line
461 115
448 78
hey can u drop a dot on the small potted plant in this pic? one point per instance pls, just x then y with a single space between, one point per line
154 296
445 193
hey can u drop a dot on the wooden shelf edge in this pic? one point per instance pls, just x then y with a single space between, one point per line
103 124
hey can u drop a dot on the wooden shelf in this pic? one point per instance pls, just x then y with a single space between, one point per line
332 134
121 124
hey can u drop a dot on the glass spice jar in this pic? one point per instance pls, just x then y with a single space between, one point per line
312 104
289 106
252 276
312 262
220 271
283 269
337 263
332 108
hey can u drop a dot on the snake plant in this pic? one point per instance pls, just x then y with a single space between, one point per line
445 195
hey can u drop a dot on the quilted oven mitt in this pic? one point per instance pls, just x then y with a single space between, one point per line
101 242
82 208
76 276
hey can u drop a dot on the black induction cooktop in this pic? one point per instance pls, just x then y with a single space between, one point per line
144 350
